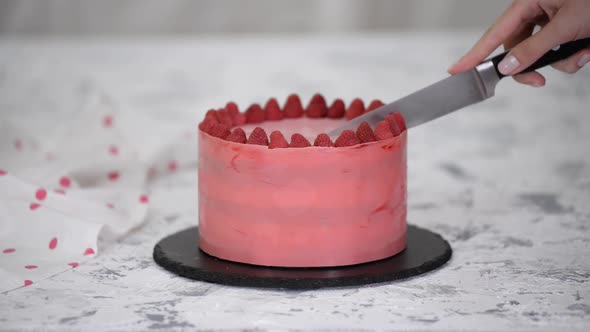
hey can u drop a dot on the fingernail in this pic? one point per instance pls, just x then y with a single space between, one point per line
583 60
508 65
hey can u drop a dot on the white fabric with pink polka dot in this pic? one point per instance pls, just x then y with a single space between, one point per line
70 184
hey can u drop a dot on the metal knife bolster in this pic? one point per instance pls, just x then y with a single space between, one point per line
488 78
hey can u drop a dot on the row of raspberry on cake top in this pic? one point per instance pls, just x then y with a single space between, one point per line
218 123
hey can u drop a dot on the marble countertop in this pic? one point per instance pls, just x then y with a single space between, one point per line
506 182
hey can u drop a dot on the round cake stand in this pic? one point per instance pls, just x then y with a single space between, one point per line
179 253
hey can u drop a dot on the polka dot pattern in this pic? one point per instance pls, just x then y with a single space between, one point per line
65 182
107 121
113 176
53 243
41 194
172 166
74 185
113 150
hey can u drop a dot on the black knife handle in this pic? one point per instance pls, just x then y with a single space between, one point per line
564 51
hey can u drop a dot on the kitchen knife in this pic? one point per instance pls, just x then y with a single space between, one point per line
456 92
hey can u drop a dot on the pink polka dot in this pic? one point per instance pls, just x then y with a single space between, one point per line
53 243
30 267
60 191
113 176
2 172
143 199
110 205
107 121
18 144
8 250
34 206
65 182
73 264
113 150
28 283
172 166
89 251
40 194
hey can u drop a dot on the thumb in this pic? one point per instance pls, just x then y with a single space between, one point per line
556 32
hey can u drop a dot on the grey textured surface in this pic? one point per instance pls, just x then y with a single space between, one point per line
506 182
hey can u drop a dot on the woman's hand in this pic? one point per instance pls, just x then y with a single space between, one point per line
561 21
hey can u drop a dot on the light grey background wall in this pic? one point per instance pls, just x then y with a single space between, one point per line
132 17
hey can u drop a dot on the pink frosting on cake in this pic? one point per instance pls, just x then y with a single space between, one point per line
302 207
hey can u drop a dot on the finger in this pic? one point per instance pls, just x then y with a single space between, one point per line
574 62
524 31
510 20
527 52
533 79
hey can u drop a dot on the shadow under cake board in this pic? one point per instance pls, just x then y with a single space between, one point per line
179 253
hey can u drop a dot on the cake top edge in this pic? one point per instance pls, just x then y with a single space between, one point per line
227 123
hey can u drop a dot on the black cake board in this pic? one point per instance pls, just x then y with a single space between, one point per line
179 253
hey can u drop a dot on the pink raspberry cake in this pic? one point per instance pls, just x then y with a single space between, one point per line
275 190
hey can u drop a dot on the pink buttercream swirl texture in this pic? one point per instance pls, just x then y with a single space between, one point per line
307 207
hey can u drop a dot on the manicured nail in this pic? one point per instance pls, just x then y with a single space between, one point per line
508 65
584 59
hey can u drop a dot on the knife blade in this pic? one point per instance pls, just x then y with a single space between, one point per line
455 92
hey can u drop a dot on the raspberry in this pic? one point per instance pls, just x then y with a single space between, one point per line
298 141
206 125
337 109
258 137
400 121
212 114
277 140
209 120
365 133
219 130
347 138
255 114
238 136
232 108
272 109
375 104
323 140
237 118
317 107
393 126
356 108
224 117
293 108
383 131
